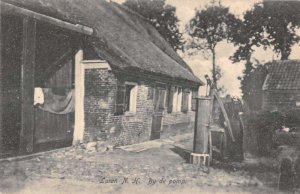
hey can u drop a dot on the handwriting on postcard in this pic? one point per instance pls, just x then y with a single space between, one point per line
137 181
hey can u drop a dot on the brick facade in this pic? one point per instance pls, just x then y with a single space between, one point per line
102 124
280 100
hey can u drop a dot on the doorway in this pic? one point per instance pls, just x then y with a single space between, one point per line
157 117
54 74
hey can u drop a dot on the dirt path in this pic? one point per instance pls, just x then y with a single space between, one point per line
157 170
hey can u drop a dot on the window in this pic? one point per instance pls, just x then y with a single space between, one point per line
190 101
185 105
130 97
126 98
159 97
170 94
177 99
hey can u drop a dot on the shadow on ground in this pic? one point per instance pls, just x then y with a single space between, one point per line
183 153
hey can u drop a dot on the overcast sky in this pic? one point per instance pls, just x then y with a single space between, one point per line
185 10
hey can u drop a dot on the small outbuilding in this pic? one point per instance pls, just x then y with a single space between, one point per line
281 88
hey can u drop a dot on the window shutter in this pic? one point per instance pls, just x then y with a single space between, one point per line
162 99
194 95
185 98
170 99
120 99
156 97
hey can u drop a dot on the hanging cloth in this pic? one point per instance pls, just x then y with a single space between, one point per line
58 104
38 96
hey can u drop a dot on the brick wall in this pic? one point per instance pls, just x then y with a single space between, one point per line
280 100
102 124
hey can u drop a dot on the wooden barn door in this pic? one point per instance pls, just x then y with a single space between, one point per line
159 99
54 70
55 130
11 95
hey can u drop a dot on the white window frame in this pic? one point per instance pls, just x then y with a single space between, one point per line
177 99
190 101
132 97
164 86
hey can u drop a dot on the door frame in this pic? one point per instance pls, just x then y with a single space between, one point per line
80 66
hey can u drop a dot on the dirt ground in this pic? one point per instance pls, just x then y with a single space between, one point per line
162 169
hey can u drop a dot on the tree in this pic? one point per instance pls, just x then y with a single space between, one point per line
162 17
268 24
212 25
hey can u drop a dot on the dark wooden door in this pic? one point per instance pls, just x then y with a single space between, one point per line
11 51
54 69
157 117
55 130
156 125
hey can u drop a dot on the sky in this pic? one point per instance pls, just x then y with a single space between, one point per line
185 10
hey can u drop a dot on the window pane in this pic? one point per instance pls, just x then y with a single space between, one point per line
133 98
127 97
179 100
170 99
120 99
175 98
162 99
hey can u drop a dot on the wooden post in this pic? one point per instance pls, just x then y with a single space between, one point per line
1 92
224 114
27 86
79 99
201 133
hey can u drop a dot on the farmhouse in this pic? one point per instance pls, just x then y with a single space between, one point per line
281 88
75 71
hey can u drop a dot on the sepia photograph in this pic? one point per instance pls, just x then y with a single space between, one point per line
149 96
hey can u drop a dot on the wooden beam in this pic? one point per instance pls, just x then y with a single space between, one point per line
1 92
44 18
224 114
137 74
79 99
96 64
27 85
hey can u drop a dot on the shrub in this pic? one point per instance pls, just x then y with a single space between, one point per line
260 128
292 118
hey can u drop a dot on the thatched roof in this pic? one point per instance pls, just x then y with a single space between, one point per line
125 39
283 75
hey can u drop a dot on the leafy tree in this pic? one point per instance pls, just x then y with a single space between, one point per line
209 27
162 17
268 24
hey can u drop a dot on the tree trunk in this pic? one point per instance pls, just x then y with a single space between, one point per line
285 53
1 92
214 66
